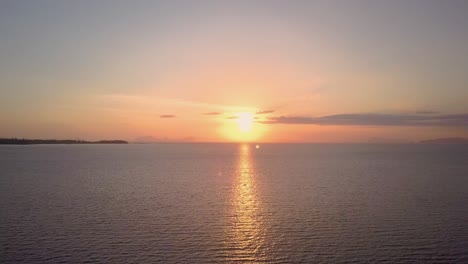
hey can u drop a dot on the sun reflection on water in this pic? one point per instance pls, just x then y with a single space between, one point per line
247 230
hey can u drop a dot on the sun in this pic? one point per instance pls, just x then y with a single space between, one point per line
245 121
242 127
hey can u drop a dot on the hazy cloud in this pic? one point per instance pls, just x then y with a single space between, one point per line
426 112
148 139
374 119
213 113
167 116
265 112
231 117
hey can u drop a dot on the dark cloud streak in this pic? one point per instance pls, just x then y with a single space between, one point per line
265 112
167 116
374 119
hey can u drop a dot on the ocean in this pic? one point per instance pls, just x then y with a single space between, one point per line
225 203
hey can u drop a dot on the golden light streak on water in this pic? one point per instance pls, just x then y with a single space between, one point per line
247 234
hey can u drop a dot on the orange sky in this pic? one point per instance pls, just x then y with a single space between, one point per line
320 71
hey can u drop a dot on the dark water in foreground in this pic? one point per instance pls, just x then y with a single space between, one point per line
202 203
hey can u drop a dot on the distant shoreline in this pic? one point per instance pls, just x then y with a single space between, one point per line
452 141
23 141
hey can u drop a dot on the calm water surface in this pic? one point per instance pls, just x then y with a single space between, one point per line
222 203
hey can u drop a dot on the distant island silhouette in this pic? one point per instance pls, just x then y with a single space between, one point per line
453 140
23 141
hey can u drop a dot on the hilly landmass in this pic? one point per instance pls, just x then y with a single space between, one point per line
23 141
453 140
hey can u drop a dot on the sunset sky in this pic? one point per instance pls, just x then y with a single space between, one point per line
263 71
